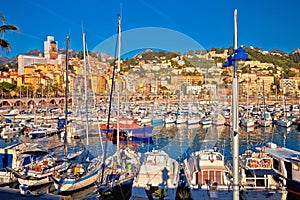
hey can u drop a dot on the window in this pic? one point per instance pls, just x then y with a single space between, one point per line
295 166
276 164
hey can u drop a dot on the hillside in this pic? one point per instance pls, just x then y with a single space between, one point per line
278 58
275 56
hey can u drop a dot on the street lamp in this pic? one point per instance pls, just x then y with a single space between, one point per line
239 55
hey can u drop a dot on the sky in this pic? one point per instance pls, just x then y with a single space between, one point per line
266 24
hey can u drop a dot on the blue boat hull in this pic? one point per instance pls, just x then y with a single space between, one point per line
138 139
138 131
293 187
133 131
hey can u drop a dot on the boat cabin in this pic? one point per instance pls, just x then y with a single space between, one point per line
286 164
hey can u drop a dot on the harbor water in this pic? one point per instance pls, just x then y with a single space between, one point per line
178 141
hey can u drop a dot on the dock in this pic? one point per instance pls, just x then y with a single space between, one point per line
14 194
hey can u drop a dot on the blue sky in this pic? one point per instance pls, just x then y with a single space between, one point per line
262 23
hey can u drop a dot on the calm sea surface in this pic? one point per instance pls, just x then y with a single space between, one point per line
179 141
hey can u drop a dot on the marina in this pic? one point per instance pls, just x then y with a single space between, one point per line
196 124
179 141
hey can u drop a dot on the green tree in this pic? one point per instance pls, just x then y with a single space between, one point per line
5 27
198 51
56 89
4 68
191 53
172 55
80 55
6 88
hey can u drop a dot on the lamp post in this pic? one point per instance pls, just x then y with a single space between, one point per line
239 54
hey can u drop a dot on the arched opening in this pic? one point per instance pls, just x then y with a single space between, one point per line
5 104
18 104
52 102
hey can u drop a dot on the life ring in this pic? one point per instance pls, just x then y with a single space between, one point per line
254 164
266 163
45 162
38 168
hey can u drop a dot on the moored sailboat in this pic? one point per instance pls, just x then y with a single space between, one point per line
118 170
84 172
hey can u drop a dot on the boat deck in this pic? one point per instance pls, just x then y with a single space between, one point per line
282 152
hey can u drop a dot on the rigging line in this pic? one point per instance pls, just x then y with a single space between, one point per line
94 98
109 110
66 95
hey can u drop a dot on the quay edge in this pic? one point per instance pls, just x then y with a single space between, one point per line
14 194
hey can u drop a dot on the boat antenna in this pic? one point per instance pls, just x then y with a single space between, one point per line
66 95
109 108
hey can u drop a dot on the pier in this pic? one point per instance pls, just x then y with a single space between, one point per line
12 194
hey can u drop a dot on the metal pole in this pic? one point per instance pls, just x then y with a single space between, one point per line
235 96
85 89
66 96
119 79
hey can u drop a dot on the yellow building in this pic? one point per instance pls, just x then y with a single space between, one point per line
187 80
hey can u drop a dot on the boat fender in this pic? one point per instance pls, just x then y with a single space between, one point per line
45 162
38 168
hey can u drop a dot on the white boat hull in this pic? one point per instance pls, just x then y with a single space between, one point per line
264 123
73 184
206 194
7 177
192 121
44 180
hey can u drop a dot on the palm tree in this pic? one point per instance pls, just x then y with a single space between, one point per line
5 27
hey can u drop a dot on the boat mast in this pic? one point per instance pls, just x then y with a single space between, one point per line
235 96
263 90
109 111
66 95
85 89
284 102
119 79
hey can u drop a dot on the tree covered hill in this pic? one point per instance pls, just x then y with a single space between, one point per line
277 58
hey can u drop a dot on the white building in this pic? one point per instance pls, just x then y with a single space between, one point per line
51 56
